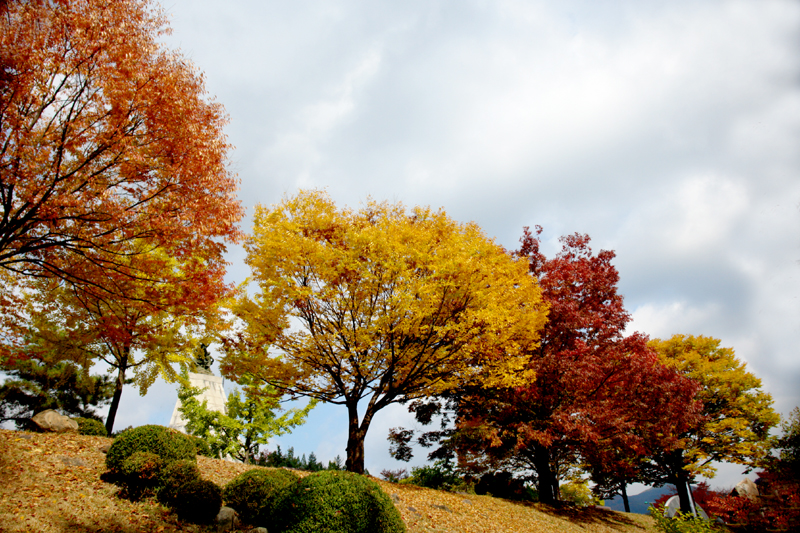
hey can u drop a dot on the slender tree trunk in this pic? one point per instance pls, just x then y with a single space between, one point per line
119 383
544 473
682 485
355 439
625 497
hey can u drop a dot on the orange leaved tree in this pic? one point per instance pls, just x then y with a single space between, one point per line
106 138
381 305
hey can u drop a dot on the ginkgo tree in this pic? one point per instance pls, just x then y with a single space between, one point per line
369 307
107 137
737 413
249 420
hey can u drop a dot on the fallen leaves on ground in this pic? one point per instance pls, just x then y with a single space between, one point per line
50 483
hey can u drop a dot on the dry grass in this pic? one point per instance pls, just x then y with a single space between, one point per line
51 484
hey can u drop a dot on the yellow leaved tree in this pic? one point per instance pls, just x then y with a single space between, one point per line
737 414
382 304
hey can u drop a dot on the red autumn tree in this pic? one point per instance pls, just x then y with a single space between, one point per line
654 413
594 385
106 139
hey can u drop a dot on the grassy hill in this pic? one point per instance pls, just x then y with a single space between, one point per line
51 484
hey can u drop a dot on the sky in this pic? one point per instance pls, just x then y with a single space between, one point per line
668 131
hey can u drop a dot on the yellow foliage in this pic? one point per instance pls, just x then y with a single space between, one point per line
382 300
738 413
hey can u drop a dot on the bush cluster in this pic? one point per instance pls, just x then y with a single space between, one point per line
254 494
140 473
159 460
169 444
336 502
503 485
198 501
92 427
439 476
173 477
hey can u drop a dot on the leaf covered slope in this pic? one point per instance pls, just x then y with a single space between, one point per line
51 484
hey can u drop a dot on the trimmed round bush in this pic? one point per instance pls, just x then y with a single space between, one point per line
198 501
253 494
92 427
169 444
336 502
141 472
173 477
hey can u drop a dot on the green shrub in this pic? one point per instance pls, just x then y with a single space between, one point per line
502 485
198 501
169 444
90 426
253 494
336 502
681 523
438 476
173 477
140 473
202 447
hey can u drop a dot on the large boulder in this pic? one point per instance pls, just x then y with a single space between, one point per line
746 488
227 520
50 420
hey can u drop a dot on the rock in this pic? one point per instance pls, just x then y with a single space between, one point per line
49 420
442 507
227 520
73 461
745 488
104 448
258 530
395 498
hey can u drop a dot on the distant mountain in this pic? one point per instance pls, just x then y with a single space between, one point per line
641 501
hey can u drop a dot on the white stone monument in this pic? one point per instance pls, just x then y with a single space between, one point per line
211 386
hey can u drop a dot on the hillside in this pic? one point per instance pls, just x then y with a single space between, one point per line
51 484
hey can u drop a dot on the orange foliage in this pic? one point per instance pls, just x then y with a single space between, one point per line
107 140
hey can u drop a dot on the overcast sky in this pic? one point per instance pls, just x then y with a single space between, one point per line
667 131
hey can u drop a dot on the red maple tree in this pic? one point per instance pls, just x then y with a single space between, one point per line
595 387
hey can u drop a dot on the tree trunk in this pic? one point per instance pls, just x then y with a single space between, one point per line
355 439
625 497
112 409
682 485
544 472
119 383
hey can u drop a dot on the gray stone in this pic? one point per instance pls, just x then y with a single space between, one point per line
104 448
227 520
73 461
442 507
258 530
746 488
49 420
395 498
